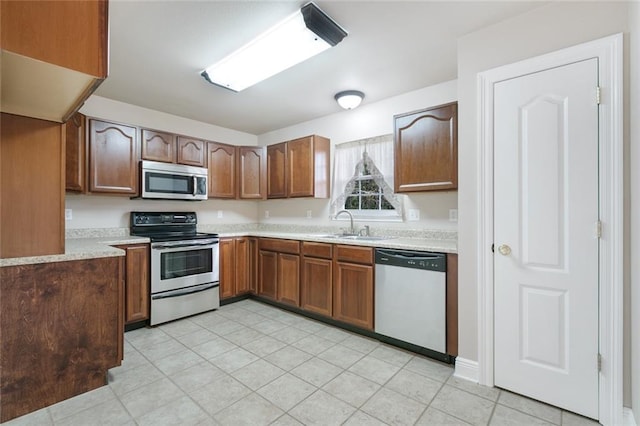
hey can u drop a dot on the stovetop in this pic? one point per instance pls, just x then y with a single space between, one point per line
167 226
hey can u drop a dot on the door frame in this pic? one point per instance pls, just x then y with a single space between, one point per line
609 52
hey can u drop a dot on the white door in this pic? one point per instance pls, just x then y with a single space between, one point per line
546 246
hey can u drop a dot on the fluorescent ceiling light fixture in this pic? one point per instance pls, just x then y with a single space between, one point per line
302 35
349 99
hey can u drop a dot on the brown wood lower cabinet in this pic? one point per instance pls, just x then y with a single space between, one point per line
353 285
316 283
279 270
452 304
62 329
237 266
136 283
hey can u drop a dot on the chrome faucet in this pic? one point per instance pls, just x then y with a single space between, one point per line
352 230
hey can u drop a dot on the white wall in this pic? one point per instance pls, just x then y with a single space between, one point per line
633 328
368 120
542 30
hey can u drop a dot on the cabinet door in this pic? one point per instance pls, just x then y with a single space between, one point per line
252 172
227 268
252 264
137 284
300 167
113 158
426 149
222 170
316 287
158 146
289 279
75 167
191 152
276 163
242 265
452 304
353 294
268 276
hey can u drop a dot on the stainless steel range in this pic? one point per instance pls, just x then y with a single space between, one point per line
185 269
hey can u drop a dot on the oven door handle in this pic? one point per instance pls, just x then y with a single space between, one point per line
157 246
184 292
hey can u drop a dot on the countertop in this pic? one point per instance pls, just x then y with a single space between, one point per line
96 243
80 248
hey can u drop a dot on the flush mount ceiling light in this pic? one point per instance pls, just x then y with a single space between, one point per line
302 35
349 99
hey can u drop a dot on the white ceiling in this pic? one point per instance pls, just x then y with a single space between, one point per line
159 48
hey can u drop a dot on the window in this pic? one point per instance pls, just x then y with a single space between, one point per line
363 179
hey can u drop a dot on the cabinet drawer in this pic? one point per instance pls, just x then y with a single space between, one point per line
281 246
312 249
354 254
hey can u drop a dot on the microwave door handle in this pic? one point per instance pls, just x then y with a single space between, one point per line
195 185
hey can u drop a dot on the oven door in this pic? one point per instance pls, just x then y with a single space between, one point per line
179 264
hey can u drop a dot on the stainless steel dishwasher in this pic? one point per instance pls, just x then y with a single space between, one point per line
410 297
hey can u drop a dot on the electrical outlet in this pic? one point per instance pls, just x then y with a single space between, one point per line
68 214
414 214
266 214
309 214
453 215
220 214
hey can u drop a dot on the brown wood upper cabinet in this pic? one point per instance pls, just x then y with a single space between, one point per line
236 171
158 146
76 161
299 168
64 43
192 152
426 149
113 158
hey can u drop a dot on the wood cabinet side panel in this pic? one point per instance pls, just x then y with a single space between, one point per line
252 264
71 34
321 162
158 146
32 181
222 170
60 331
75 154
452 304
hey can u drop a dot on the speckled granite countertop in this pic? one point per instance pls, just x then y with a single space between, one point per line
80 248
98 242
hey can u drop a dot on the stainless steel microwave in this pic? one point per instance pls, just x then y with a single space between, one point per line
172 181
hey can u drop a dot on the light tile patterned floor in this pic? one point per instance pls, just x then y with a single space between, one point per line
252 364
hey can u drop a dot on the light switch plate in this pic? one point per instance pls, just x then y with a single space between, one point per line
266 214
220 214
309 214
414 214
453 215
68 214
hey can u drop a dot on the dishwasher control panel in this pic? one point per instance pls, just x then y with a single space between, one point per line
412 259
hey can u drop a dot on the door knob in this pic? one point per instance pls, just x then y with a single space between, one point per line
504 250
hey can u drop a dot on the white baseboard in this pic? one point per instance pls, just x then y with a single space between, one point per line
627 417
467 369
